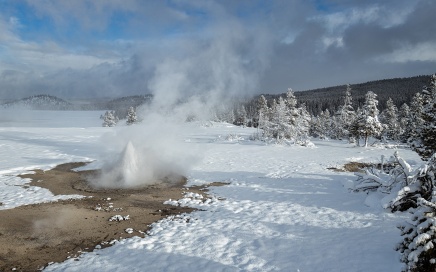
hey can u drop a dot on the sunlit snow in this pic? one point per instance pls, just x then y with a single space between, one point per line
282 209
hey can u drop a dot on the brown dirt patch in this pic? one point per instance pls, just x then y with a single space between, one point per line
351 167
34 235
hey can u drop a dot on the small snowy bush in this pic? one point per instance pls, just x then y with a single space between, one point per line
234 138
402 185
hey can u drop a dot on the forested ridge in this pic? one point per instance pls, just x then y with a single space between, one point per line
401 90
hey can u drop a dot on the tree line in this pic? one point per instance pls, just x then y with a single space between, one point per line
285 119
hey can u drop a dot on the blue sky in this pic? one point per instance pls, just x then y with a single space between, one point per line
111 47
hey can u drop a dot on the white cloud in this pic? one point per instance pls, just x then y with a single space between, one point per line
338 22
14 22
384 16
18 54
420 52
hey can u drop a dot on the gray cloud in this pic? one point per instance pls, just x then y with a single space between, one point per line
273 44
357 44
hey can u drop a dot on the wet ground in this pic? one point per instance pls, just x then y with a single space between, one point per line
34 235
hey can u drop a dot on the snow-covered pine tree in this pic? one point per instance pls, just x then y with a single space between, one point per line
328 123
241 116
345 116
414 191
403 120
271 131
316 127
366 123
131 116
293 114
109 119
426 135
389 118
303 125
416 122
263 115
291 100
418 246
279 120
321 125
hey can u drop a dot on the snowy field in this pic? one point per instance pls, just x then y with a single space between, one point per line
282 210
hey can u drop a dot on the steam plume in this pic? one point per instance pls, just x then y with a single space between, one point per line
209 73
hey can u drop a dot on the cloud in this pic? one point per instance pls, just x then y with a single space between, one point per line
425 52
355 41
102 48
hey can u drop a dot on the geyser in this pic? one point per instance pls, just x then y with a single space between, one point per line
128 165
129 170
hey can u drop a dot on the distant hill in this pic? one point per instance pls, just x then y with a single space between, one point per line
401 90
49 102
39 102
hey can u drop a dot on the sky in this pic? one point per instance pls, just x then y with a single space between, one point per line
111 48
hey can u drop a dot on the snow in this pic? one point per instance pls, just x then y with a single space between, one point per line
282 209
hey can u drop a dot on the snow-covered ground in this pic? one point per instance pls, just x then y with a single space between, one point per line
282 210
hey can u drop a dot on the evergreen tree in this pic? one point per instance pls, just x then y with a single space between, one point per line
414 191
403 120
366 123
418 247
298 119
109 119
283 120
279 120
321 125
426 142
241 116
291 101
302 124
345 116
389 118
416 122
293 114
263 114
131 116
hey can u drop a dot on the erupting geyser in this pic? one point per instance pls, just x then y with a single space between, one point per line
149 153
129 166
128 171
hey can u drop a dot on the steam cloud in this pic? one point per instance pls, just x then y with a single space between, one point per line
146 154
208 74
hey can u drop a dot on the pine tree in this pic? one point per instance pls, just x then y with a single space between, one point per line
366 123
280 119
389 118
416 122
426 135
293 114
322 125
263 115
345 116
291 101
403 120
131 116
109 119
418 247
303 125
241 116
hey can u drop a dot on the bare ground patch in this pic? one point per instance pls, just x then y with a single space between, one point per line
34 235
351 167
